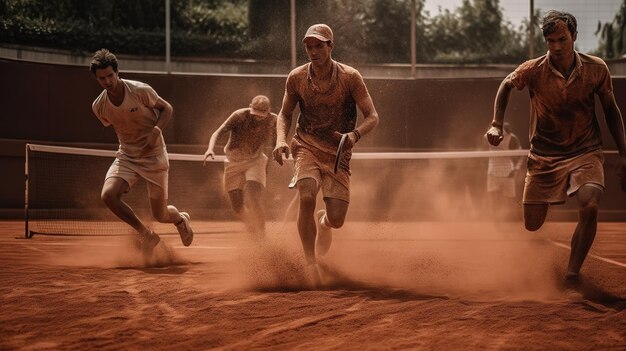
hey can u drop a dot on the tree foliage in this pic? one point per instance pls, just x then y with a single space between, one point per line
365 30
613 35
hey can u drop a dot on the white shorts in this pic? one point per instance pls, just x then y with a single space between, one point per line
154 170
237 173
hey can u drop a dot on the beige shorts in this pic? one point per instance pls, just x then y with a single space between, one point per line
553 179
504 185
154 170
320 167
237 173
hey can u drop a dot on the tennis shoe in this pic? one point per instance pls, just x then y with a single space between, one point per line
324 235
184 229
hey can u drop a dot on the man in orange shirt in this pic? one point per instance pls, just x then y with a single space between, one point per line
328 94
566 149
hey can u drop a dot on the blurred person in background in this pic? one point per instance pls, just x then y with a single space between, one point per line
249 129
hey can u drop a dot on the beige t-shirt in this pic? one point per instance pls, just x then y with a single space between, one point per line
133 120
563 118
324 112
248 134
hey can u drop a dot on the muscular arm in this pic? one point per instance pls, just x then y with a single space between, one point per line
283 124
370 116
494 134
166 112
614 121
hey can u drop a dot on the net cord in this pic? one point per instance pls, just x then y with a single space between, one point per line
355 156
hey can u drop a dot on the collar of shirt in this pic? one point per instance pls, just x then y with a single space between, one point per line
575 72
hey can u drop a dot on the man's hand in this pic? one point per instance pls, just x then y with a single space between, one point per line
494 135
350 141
281 149
206 155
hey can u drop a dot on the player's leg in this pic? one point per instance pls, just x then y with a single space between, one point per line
588 197
307 190
157 182
112 191
535 215
253 193
336 211
236 201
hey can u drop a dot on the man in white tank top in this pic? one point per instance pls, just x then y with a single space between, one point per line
502 175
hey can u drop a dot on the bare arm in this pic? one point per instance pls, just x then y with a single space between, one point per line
165 115
223 128
370 118
494 134
283 125
166 112
614 121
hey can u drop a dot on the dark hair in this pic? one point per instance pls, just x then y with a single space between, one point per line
551 18
103 58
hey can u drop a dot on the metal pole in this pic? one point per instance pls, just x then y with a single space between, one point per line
531 43
293 33
413 48
167 38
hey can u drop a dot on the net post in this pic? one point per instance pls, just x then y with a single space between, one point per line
26 230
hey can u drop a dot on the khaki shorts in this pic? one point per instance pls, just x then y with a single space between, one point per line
504 185
553 179
237 173
319 166
154 170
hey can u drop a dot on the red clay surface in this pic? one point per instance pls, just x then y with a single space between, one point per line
435 286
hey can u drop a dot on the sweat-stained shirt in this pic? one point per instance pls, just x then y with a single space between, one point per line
248 134
563 118
133 120
324 112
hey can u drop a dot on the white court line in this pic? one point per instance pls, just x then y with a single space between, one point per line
607 260
113 245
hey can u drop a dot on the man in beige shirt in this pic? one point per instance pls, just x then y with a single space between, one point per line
138 114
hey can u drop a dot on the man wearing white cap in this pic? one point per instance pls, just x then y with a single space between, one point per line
328 94
250 129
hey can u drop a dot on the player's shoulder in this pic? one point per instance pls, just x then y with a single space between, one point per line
533 63
300 71
591 60
136 86
100 100
344 69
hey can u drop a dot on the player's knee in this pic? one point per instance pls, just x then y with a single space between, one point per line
335 220
237 207
110 198
588 211
533 225
307 200
161 215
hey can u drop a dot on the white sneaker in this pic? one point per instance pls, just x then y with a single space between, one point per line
184 229
324 235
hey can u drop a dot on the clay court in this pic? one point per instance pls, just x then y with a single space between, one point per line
385 285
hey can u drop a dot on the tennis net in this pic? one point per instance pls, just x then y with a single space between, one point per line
63 186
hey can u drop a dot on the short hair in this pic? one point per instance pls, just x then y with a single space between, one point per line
103 58
551 18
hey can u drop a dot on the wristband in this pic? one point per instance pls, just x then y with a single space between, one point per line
357 134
